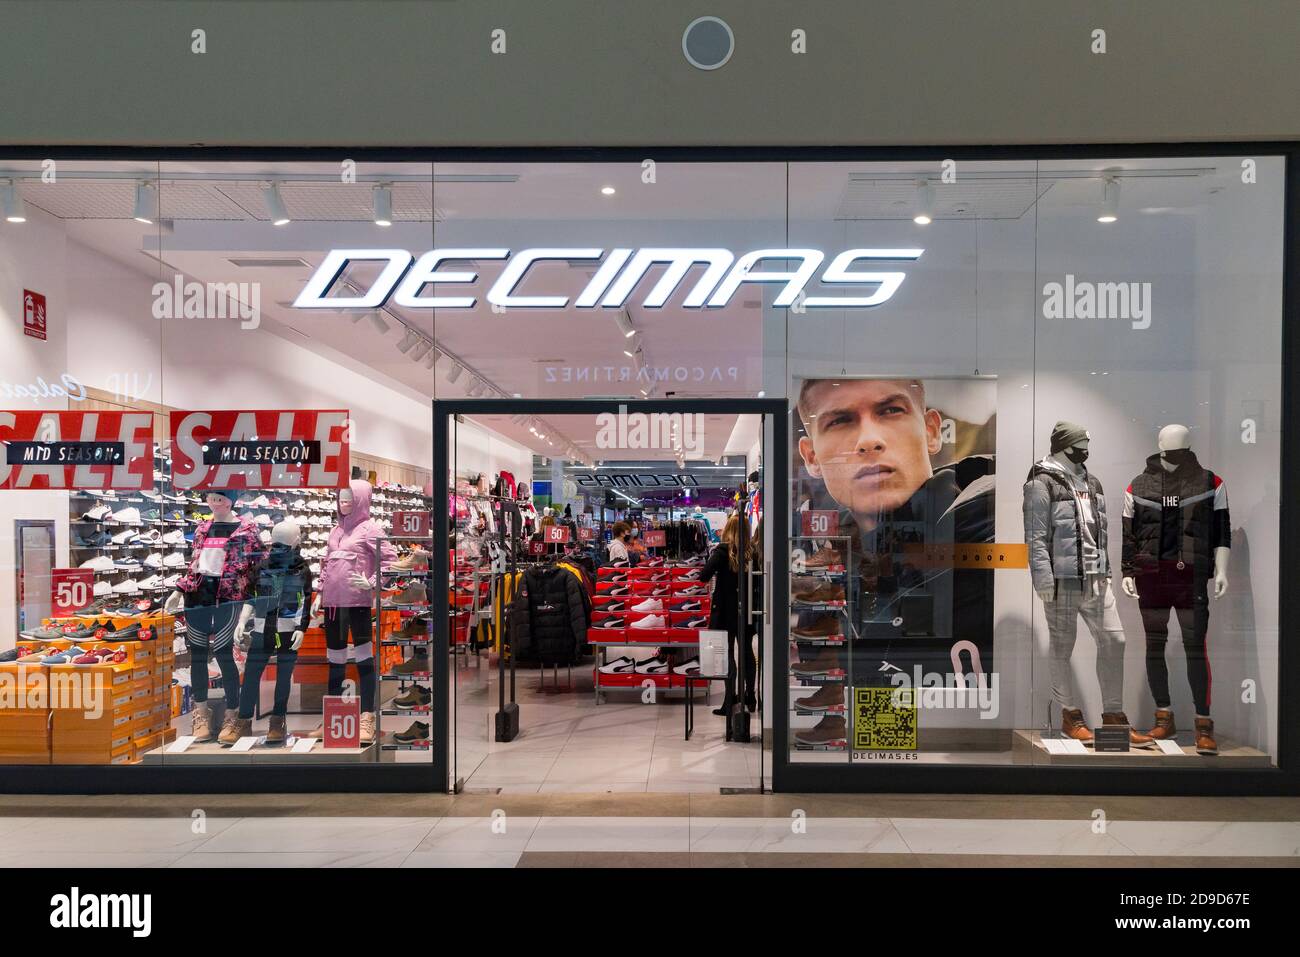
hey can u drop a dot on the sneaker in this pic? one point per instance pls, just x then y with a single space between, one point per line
622 665
415 628
124 538
174 560
44 633
127 586
101 589
659 577
692 604
651 562
691 667
418 731
174 537
617 621
171 581
100 563
661 591
694 590
415 697
617 591
98 513
650 604
63 657
614 606
129 515
649 621
653 666
127 564
698 622
150 583
150 536
691 576
616 577
368 727
829 730
153 560
826 697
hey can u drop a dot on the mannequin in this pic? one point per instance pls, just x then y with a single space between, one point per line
527 510
1177 538
347 584
1065 528
214 595
280 617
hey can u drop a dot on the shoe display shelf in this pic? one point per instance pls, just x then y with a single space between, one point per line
390 614
824 719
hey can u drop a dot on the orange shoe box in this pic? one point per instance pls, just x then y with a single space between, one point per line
67 682
122 754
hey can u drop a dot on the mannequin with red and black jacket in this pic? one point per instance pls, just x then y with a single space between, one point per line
1177 536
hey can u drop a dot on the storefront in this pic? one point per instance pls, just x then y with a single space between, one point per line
1008 431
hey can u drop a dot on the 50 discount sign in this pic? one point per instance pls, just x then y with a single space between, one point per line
263 449
411 523
76 450
72 590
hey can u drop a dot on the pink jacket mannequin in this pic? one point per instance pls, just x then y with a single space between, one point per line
351 551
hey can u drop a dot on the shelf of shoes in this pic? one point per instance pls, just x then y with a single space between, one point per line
402 597
822 605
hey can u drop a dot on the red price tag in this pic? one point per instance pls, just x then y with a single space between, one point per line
342 721
411 523
820 523
586 534
655 539
555 534
71 590
536 548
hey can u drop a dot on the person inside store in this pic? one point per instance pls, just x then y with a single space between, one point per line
636 550
724 568
870 443
619 536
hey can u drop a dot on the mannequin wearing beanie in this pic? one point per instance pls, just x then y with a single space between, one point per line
356 552
214 594
1177 540
281 615
1066 531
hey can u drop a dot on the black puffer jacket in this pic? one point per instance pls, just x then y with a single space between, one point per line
548 618
1175 517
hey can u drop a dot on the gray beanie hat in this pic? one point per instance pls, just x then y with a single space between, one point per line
1065 434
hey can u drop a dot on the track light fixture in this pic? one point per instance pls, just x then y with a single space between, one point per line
409 338
275 210
15 209
624 324
632 346
421 349
432 359
456 370
1109 200
146 204
383 203
924 213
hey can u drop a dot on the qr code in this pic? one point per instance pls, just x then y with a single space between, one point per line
884 719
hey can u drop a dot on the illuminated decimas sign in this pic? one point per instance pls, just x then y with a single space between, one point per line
261 449
76 450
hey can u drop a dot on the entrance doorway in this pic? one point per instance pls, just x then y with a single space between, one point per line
584 632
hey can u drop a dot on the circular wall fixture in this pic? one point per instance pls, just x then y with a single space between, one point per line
707 43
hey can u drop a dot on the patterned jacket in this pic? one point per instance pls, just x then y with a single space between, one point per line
244 553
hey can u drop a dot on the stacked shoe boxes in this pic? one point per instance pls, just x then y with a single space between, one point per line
647 607
25 715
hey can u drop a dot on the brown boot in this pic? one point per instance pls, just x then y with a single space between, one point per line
1205 743
234 728
1073 725
1135 738
277 732
1164 729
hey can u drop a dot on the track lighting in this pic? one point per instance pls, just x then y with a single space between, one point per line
421 348
14 208
924 214
379 322
1109 200
383 203
409 339
146 204
632 346
624 323
456 370
275 210
432 359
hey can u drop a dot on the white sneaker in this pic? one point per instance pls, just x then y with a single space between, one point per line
652 666
174 559
174 538
101 589
691 667
126 587
150 536
154 560
649 621
150 583
171 581
122 538
130 515
100 563
619 666
650 604
98 513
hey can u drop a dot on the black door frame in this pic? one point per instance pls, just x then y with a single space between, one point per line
776 468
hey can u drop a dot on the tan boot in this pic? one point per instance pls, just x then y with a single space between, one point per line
234 728
1164 729
1135 738
201 723
277 732
367 728
1205 743
1073 725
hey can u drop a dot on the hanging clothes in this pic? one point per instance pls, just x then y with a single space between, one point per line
549 617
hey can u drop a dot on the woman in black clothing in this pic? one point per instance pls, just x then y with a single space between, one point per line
724 565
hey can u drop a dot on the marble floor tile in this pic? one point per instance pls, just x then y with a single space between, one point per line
133 835
281 859
461 859
934 836
610 834
340 834
1208 838
506 832
89 858
796 835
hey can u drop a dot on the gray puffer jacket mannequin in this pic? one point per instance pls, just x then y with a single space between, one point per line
1054 527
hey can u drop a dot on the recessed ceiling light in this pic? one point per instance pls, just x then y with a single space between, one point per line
607 190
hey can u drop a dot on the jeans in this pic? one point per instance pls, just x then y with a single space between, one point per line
1191 603
1099 613
258 657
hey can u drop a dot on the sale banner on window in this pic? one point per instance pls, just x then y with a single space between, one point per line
76 450
72 590
260 449
342 716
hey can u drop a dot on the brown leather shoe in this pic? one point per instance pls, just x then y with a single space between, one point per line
1205 743
828 557
829 730
1073 725
1164 729
820 595
1135 738
826 661
827 626
826 697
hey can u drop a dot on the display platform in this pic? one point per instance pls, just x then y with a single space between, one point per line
211 752
1029 743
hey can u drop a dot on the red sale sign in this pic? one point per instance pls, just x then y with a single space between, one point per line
586 534
71 450
411 523
536 548
342 721
34 316
261 449
655 539
72 590
820 522
555 534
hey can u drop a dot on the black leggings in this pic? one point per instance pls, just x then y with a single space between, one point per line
750 665
1194 622
258 657
210 633
338 623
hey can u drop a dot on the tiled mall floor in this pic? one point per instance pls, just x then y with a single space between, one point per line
500 830
570 745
